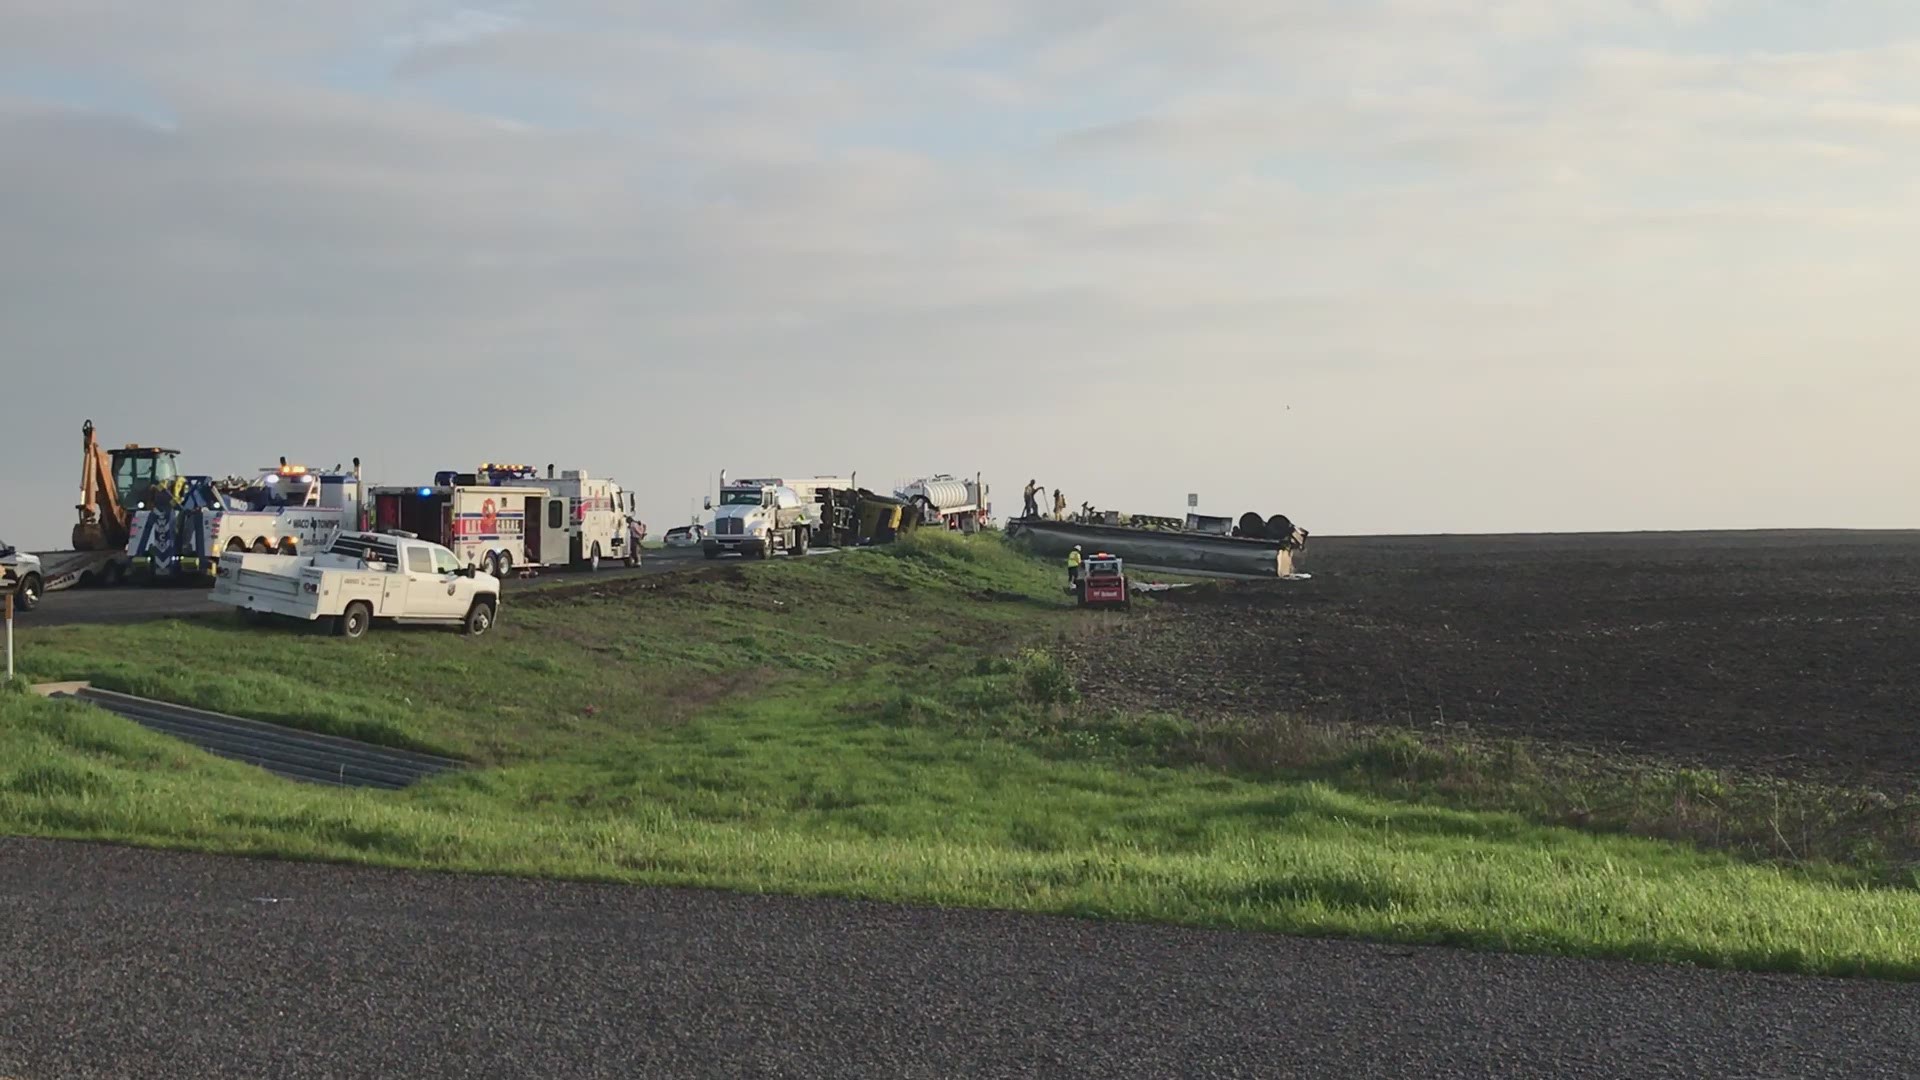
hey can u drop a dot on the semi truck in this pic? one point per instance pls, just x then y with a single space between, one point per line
759 516
187 524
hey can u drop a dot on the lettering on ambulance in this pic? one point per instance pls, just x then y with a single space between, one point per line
475 526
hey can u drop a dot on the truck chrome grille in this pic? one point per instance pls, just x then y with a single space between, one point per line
728 527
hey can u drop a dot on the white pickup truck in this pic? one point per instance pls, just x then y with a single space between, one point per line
361 577
20 575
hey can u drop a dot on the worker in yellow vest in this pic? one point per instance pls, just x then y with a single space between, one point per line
1073 568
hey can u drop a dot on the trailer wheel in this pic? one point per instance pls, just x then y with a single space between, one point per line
236 545
27 593
593 560
261 547
354 622
502 564
479 619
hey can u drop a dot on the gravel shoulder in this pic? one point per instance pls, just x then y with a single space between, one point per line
122 962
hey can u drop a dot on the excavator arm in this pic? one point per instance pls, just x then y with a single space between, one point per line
103 522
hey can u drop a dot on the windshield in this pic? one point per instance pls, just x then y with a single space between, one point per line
740 497
134 473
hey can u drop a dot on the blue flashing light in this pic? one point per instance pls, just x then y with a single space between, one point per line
426 493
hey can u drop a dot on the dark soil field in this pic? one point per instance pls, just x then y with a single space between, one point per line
1789 652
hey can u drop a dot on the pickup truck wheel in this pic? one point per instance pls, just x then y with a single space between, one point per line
27 594
593 560
479 618
354 622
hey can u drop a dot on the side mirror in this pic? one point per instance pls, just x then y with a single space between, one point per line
708 504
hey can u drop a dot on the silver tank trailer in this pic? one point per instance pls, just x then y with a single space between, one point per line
942 494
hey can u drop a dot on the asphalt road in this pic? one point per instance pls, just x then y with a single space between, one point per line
124 963
143 603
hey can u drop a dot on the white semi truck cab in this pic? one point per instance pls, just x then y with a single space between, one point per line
757 517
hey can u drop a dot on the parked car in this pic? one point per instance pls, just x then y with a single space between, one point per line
20 574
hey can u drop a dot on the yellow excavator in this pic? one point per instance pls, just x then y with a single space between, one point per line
112 484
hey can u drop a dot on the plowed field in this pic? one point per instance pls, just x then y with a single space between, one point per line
1796 653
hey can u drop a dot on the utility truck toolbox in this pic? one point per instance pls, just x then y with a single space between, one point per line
359 578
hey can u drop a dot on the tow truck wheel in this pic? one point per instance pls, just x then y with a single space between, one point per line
260 547
354 622
593 560
479 619
27 595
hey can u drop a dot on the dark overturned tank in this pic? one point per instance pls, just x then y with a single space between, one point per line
1174 550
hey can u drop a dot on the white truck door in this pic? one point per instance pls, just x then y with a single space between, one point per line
393 590
432 586
553 532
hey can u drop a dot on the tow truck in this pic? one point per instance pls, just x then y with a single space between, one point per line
189 523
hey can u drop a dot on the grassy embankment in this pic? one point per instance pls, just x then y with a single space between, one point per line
885 724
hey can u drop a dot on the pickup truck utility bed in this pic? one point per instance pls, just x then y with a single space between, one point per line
359 578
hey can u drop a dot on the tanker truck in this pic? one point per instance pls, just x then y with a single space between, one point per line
958 504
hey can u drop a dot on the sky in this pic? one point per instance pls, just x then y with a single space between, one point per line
1379 265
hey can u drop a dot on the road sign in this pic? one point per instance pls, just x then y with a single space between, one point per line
1193 500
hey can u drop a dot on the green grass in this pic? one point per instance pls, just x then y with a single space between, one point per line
884 724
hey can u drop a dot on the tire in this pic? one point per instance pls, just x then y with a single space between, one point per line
111 573
489 563
593 560
800 541
766 547
260 546
479 619
502 564
27 594
354 622
236 544
288 546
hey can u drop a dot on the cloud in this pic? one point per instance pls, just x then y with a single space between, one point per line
660 239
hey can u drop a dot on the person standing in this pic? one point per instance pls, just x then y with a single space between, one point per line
1073 569
1033 495
1059 505
636 535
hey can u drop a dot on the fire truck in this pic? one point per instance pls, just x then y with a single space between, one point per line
507 518
594 519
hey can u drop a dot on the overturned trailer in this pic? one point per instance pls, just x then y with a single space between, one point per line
1170 551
